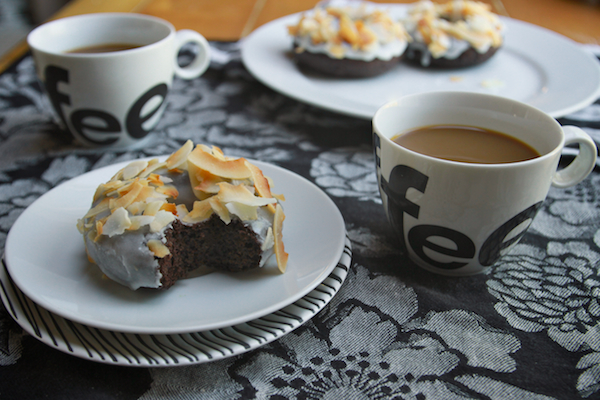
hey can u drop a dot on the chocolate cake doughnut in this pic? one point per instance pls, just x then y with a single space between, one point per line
155 222
456 34
348 41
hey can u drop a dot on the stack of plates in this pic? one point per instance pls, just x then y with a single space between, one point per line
57 296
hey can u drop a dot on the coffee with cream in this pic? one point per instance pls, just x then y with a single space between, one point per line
466 144
104 48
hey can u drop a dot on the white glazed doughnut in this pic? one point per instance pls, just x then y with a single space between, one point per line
154 222
458 33
348 41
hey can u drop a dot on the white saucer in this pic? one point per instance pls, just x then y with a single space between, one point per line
534 66
141 350
45 257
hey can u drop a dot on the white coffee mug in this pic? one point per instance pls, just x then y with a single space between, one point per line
458 218
112 98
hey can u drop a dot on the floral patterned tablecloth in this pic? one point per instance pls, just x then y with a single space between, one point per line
528 329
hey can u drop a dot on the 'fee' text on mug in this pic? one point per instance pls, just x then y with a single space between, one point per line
109 130
418 237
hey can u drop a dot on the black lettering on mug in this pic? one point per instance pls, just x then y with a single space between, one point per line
495 243
418 238
402 178
89 123
52 77
377 145
97 126
135 120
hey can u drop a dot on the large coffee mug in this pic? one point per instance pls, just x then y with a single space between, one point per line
107 75
457 218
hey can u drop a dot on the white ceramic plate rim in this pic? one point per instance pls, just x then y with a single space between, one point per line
46 258
140 350
536 66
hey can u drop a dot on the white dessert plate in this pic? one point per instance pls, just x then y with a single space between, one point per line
535 66
46 258
143 350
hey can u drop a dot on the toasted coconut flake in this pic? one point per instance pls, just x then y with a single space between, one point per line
99 229
261 184
116 223
217 152
168 190
158 248
220 209
146 193
153 165
153 207
155 179
127 199
117 176
269 240
107 187
193 173
245 212
161 220
137 221
231 169
240 194
136 208
204 147
200 212
98 208
91 235
120 190
179 158
282 256
134 168
348 31
207 182
170 207
182 210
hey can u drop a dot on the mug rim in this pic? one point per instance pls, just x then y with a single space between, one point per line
33 41
513 164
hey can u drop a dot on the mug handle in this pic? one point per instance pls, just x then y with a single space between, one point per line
583 163
202 60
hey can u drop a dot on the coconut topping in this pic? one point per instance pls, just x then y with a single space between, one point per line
448 29
142 201
364 32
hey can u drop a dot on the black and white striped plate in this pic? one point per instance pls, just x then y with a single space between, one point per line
146 350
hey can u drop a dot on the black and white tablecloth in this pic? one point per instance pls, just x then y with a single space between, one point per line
528 329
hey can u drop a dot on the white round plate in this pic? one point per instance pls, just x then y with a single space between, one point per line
140 350
46 258
534 66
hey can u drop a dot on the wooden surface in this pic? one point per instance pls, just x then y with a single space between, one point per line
230 20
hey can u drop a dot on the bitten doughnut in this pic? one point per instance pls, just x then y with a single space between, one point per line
452 35
348 41
155 222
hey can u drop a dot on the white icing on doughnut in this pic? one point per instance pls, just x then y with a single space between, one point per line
365 32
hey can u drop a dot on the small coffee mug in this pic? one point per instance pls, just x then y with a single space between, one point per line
457 218
112 98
